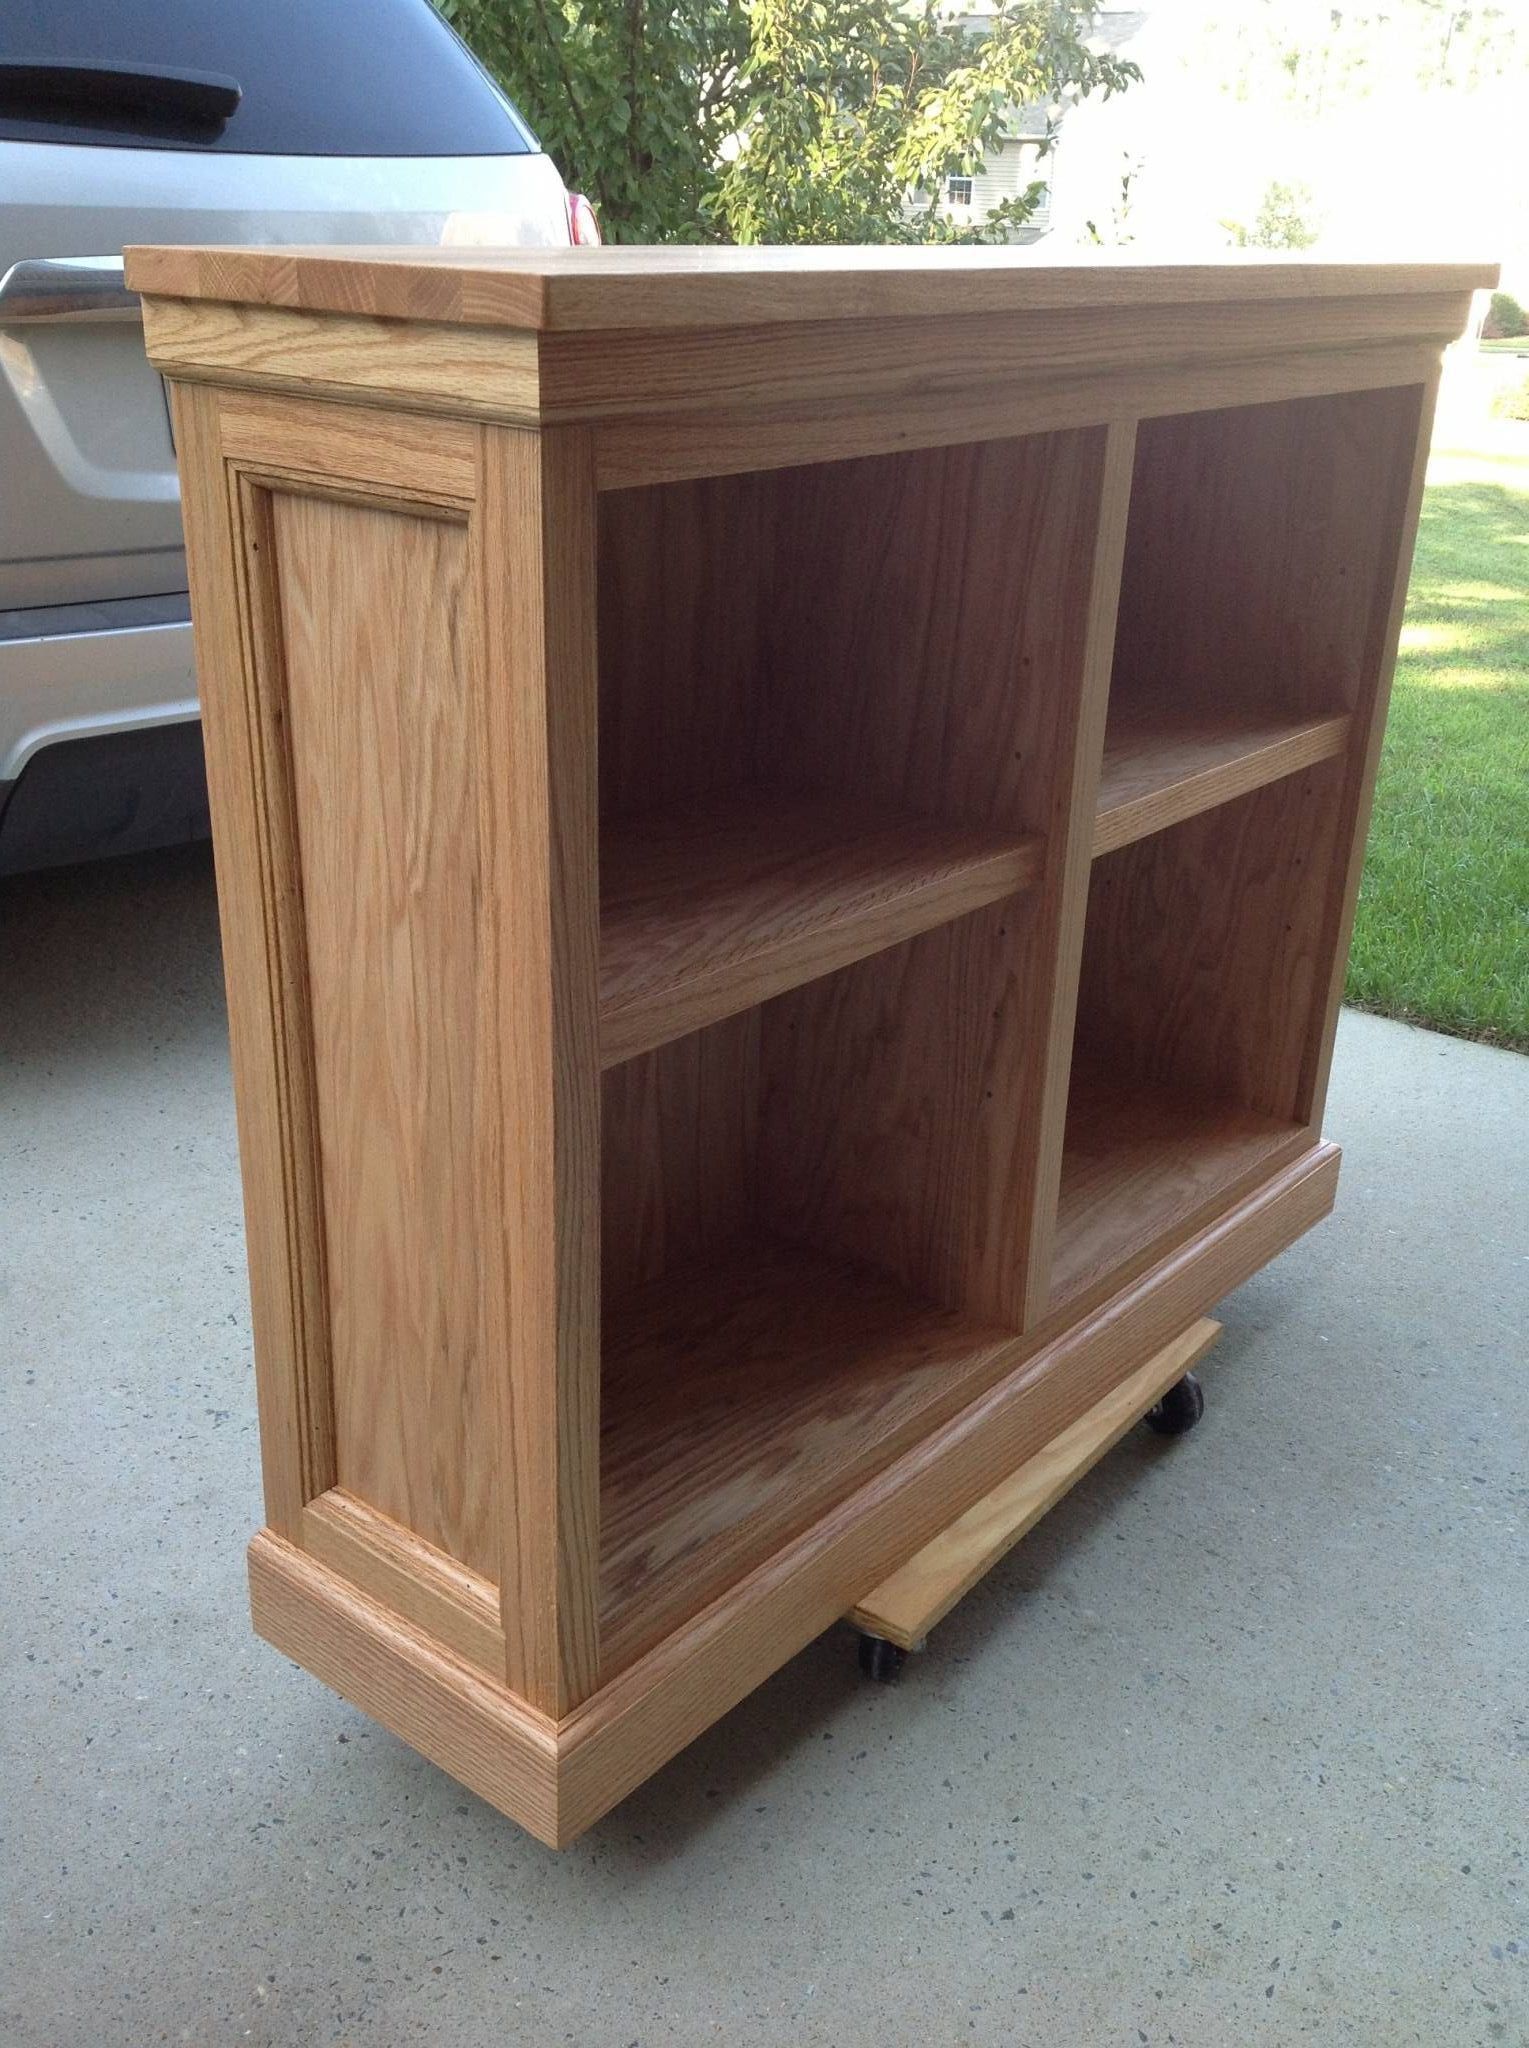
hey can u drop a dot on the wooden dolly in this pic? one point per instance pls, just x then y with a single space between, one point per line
897 1615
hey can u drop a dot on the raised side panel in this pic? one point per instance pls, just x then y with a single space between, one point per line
415 945
260 916
370 605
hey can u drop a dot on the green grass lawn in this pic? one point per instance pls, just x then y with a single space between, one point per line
1443 931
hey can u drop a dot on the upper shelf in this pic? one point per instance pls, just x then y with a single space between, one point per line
708 909
1164 762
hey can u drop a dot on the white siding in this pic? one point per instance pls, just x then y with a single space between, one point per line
1009 171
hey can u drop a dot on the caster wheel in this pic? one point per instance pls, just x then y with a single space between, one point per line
1180 1408
880 1659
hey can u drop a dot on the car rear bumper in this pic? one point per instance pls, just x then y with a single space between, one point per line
100 737
83 671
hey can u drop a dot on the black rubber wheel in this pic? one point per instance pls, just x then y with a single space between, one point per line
880 1659
1180 1408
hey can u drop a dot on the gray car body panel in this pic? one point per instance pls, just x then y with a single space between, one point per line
89 505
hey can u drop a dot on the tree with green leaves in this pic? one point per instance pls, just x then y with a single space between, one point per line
1283 220
785 120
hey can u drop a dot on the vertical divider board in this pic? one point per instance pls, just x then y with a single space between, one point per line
1077 789
964 652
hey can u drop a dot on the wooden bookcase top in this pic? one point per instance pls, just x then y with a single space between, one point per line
571 290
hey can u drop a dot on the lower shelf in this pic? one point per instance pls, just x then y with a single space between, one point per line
740 1400
1140 1161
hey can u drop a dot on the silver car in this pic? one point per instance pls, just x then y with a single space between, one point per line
180 121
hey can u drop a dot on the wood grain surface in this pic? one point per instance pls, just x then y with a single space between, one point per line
1165 761
710 439
742 1397
679 1148
538 1147
801 362
348 445
393 1565
718 287
1203 962
424 369
557 1778
1061 916
1144 1163
385 784
391 1669
260 919
903 1097
1400 475
649 1711
1255 550
716 907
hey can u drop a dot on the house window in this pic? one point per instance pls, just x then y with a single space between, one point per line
958 191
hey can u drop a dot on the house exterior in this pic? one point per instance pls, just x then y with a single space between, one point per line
1005 175
1023 158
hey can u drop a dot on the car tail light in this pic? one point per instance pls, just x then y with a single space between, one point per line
583 228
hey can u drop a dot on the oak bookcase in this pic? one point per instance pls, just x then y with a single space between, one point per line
787 825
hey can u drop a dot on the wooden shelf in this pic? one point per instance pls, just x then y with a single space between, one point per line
1140 1161
708 909
1164 762
739 1400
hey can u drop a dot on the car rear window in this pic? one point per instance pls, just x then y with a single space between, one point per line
315 78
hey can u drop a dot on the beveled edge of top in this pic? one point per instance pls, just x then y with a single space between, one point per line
574 290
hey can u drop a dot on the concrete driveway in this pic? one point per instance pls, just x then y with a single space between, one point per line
1233 1750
